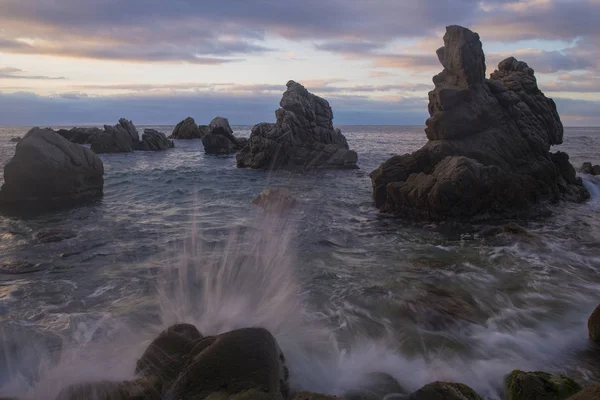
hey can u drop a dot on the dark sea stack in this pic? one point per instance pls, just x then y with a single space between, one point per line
302 137
520 385
220 139
153 140
488 155
445 391
234 363
47 171
187 129
121 138
80 135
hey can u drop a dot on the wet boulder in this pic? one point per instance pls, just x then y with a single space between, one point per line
445 391
275 200
488 154
220 139
519 385
47 171
153 140
302 138
588 168
233 363
148 388
594 326
376 386
166 355
80 135
188 129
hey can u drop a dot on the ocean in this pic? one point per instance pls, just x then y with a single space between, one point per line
346 291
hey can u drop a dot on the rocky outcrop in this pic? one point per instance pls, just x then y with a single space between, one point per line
15 139
48 171
488 154
445 391
220 139
588 168
302 137
520 385
187 129
275 200
153 140
121 138
80 135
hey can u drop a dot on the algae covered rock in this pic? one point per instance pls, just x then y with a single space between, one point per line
519 385
445 391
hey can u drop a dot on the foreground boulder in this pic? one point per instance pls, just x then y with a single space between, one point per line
594 325
220 139
80 135
121 138
488 154
47 171
153 140
445 391
187 129
520 385
302 137
588 168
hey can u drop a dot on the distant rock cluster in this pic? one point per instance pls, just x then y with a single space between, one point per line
488 154
588 168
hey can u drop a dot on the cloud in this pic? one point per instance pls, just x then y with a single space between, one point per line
546 61
16 73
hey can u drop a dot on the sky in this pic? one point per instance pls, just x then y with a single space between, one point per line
76 62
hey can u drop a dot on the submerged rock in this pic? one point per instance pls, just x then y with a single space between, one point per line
378 386
233 363
142 389
220 139
47 171
302 137
445 391
20 267
187 129
488 154
121 138
166 355
153 140
519 385
275 200
53 235
594 325
588 168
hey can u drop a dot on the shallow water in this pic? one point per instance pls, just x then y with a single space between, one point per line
345 290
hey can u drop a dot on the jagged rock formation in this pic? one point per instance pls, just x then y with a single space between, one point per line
47 171
187 129
220 139
153 140
302 137
488 154
121 138
80 135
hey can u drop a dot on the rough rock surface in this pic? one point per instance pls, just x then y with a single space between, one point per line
233 363
47 171
187 129
220 139
121 138
153 140
445 391
80 135
589 393
488 154
594 325
588 168
519 385
302 137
